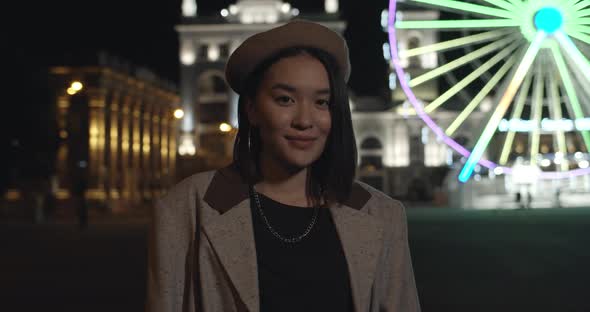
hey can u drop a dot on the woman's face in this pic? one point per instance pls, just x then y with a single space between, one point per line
293 102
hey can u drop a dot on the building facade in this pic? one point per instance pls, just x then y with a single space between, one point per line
118 134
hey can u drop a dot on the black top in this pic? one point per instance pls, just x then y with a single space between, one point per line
310 275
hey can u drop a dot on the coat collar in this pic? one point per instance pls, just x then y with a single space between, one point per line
232 236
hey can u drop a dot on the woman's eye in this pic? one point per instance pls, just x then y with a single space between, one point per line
323 102
283 99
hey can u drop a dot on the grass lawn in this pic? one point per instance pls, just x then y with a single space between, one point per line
501 260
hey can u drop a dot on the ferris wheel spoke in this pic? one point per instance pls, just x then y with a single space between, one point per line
502 107
516 3
506 5
581 13
573 28
573 52
536 111
471 77
462 60
580 21
481 95
467 7
581 5
516 114
570 90
570 3
580 36
457 24
555 113
577 28
456 43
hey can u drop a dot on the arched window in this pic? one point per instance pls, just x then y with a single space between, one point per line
212 97
371 143
371 154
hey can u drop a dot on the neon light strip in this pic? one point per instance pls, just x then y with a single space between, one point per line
453 24
537 110
582 13
468 7
571 3
481 95
395 61
492 125
556 114
503 4
573 52
455 43
516 113
580 36
570 90
577 28
462 60
581 20
581 5
471 77
516 3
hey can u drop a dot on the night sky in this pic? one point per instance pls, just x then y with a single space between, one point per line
142 32
40 34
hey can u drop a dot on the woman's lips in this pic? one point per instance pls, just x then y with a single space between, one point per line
301 144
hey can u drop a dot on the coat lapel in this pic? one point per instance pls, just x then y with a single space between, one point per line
361 237
232 237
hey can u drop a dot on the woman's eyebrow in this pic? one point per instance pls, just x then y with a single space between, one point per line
292 89
283 86
323 91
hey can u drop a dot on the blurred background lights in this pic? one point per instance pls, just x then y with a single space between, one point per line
224 127
498 171
178 113
77 86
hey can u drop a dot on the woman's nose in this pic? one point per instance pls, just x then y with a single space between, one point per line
304 116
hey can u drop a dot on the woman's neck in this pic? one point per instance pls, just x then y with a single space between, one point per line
282 183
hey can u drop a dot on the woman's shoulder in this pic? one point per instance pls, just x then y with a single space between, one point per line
189 187
380 203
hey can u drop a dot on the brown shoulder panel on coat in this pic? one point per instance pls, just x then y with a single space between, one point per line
359 196
227 189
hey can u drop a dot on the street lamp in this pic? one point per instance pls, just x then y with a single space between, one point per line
178 113
75 87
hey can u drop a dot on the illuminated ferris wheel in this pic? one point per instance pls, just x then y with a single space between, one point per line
529 56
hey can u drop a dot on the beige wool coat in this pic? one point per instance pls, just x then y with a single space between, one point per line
202 255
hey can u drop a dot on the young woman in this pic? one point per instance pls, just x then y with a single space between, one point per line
285 227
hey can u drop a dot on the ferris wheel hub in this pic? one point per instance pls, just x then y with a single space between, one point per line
548 19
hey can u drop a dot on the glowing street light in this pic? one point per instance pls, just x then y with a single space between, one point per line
178 113
77 86
224 127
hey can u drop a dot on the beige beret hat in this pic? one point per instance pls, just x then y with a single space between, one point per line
298 32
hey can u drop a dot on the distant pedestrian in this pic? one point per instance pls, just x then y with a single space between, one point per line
518 199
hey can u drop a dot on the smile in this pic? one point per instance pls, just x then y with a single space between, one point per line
301 144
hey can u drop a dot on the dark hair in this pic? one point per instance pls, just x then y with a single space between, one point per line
331 175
